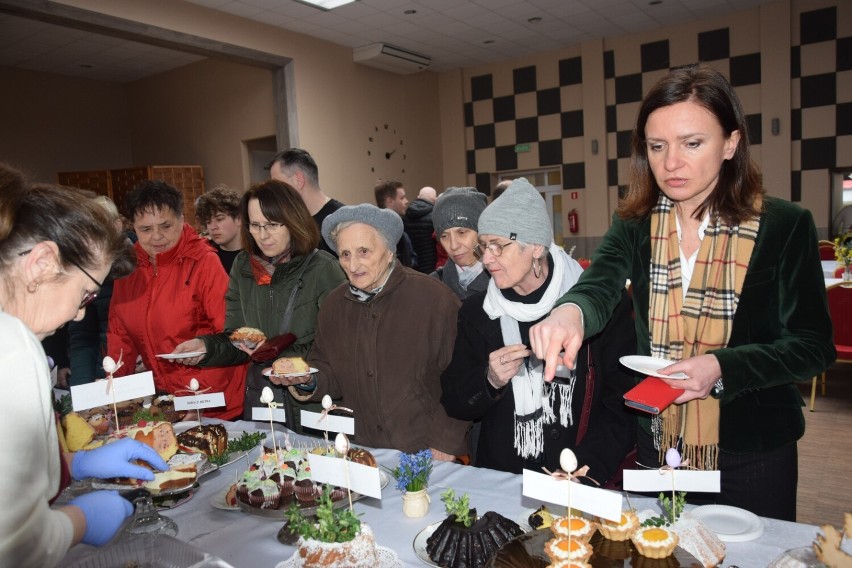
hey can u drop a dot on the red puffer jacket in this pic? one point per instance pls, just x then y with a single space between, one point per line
157 307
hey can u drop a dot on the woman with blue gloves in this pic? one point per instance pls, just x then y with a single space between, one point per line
55 251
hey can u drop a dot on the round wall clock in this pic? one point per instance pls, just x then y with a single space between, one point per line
386 151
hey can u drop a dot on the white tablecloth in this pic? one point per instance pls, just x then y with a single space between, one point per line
248 541
828 268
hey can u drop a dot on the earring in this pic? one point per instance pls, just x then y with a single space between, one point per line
32 288
536 268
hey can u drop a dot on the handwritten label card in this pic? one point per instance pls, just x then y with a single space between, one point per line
360 478
90 395
320 421
206 400
262 413
661 480
599 502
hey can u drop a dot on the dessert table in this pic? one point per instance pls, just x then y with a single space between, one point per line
249 541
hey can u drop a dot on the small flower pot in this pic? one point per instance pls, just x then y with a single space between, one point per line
415 503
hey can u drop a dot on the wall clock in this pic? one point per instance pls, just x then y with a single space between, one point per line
386 152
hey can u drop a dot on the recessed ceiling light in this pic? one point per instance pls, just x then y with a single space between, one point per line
410 12
534 20
655 2
326 4
487 41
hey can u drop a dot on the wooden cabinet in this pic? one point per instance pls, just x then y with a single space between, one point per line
116 184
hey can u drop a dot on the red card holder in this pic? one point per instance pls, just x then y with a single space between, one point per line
651 395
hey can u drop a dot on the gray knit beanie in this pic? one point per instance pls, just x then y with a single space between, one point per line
385 221
520 214
458 207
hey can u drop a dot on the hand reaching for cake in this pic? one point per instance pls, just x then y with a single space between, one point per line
115 460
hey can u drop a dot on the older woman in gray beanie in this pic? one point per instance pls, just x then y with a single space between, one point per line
383 340
455 217
493 377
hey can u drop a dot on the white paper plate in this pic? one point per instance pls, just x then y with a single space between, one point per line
730 524
170 356
387 559
649 366
267 372
420 544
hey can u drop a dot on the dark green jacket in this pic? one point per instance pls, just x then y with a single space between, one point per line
782 330
263 307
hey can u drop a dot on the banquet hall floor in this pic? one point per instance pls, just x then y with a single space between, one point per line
825 452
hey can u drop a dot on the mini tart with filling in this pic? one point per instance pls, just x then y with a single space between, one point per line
621 530
569 564
577 527
559 549
654 542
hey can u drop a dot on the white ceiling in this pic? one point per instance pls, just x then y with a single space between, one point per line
454 33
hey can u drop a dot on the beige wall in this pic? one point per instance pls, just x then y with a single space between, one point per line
199 114
52 123
337 101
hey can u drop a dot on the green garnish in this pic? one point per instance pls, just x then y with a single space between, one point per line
63 405
143 415
330 525
458 506
242 444
668 514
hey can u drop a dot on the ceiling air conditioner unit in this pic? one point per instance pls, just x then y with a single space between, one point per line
391 58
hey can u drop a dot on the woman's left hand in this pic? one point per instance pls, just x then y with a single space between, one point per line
441 456
703 371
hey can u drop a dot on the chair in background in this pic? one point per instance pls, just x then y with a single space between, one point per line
840 309
826 250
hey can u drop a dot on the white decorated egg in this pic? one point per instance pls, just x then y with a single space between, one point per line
266 395
341 444
193 385
326 402
673 458
568 460
109 364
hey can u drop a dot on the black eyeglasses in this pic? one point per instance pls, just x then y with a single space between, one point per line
495 249
88 297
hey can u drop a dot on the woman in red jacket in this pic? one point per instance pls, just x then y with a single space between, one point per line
177 292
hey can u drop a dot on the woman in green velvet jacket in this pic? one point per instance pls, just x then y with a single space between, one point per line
726 282
279 241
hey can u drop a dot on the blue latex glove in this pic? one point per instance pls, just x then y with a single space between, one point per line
113 460
105 511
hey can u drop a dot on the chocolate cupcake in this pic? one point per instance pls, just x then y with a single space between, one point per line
306 491
338 493
266 496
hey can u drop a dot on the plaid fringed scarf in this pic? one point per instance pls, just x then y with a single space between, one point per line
680 328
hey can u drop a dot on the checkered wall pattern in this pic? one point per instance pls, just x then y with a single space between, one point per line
821 74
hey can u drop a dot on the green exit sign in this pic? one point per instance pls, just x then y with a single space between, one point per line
521 148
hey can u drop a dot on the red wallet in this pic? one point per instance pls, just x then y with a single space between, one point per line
651 395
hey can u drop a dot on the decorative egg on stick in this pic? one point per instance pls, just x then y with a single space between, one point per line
568 461
674 461
110 367
267 397
194 386
341 445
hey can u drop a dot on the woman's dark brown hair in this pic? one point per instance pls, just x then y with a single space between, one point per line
280 203
35 213
739 185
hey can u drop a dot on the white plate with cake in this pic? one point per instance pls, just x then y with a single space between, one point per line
268 372
187 355
184 471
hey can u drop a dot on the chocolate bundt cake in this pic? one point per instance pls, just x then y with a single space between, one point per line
455 545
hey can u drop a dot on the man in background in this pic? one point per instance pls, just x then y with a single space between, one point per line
218 211
390 194
500 188
418 224
297 168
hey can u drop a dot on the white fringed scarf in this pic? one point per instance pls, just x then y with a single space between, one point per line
534 399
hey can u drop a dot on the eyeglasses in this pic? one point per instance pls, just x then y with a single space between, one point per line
495 249
88 297
270 228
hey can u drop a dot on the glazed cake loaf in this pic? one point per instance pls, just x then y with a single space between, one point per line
359 552
209 439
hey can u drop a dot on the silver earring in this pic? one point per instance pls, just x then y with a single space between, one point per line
536 268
